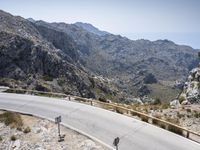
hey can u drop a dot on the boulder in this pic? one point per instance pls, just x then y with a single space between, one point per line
175 104
185 102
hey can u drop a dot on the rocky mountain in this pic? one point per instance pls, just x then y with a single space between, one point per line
191 90
90 28
29 60
82 60
139 68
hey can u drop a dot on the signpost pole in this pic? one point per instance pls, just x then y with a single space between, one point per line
57 121
116 142
59 129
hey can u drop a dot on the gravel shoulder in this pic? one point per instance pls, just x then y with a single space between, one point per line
44 136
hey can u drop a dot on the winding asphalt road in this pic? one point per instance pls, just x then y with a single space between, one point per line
99 123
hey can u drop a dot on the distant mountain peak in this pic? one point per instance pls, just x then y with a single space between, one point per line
31 19
90 28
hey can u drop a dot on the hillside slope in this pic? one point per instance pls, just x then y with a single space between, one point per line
138 67
28 60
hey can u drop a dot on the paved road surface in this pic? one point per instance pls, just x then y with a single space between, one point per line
99 123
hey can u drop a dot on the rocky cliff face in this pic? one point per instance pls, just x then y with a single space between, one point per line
32 58
82 60
191 90
138 68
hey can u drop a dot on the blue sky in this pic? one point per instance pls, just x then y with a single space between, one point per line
176 20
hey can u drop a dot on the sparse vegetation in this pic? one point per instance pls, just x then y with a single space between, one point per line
179 115
173 120
118 110
19 128
144 118
27 130
165 105
12 119
196 114
47 78
188 110
61 81
1 138
175 130
13 138
181 99
157 101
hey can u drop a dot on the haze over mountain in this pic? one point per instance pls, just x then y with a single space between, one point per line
80 59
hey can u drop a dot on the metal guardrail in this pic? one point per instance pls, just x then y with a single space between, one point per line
120 109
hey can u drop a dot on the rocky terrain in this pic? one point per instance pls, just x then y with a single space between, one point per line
186 116
191 90
79 59
28 60
43 136
138 68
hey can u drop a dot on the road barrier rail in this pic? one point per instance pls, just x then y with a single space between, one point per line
119 109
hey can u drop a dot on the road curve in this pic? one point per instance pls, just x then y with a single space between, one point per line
99 123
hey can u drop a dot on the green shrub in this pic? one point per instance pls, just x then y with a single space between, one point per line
157 101
179 115
27 130
1 138
196 114
181 99
165 105
188 110
19 128
198 85
11 118
13 138
47 78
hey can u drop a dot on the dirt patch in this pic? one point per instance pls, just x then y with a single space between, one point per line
43 136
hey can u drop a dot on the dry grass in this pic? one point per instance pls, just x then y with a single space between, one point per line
12 119
173 120
120 111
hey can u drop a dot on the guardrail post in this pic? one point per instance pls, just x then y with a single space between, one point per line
91 103
188 133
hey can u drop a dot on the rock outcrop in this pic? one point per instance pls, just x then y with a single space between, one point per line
42 59
131 65
191 90
70 58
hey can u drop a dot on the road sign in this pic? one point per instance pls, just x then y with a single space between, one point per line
116 142
60 137
58 119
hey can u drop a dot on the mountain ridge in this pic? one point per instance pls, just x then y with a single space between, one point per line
99 64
